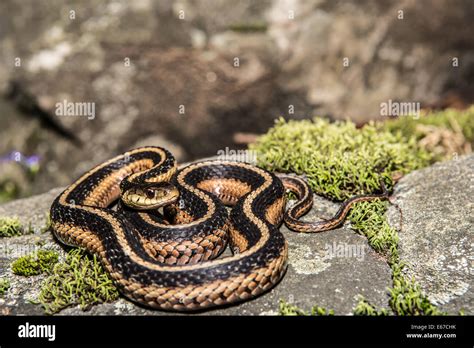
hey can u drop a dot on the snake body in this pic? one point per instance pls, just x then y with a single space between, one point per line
172 266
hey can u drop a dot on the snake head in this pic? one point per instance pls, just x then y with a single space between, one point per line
150 196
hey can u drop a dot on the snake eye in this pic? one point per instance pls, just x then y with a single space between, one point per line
150 193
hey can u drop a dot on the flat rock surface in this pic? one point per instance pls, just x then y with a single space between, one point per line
436 238
328 269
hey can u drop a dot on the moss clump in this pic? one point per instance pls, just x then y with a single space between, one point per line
287 309
338 159
79 280
10 226
442 133
364 307
36 263
406 297
4 286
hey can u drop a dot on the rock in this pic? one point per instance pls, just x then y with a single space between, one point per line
349 57
328 269
436 237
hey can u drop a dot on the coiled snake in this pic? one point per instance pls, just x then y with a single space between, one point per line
169 264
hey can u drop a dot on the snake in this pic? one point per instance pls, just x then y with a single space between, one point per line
158 229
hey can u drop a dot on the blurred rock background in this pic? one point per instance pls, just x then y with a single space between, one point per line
196 76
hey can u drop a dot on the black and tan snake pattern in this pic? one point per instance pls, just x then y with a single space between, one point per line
166 258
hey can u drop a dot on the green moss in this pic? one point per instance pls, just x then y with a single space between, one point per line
449 119
368 219
79 280
406 297
338 159
10 226
287 309
4 286
459 123
364 307
36 263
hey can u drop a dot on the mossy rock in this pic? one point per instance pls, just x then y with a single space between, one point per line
338 159
79 280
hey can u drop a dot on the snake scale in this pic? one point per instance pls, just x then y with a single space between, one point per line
159 244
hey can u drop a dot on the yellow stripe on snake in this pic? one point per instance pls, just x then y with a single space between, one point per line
161 242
